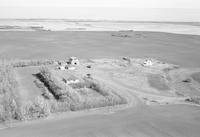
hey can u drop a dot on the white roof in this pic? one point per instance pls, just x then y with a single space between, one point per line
73 58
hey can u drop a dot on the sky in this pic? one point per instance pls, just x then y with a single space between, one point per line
144 10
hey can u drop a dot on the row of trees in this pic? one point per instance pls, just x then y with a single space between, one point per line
9 104
69 94
57 96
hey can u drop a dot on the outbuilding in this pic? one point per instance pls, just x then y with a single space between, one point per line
70 67
147 62
72 80
74 61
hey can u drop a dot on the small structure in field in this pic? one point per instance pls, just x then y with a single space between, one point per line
74 61
147 62
127 59
89 66
187 80
71 80
70 67
88 75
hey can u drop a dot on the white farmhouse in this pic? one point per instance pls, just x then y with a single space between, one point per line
74 61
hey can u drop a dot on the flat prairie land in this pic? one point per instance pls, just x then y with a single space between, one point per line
173 48
158 95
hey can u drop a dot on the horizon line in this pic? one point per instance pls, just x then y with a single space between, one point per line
99 20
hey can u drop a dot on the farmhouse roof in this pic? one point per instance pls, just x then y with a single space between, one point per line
73 58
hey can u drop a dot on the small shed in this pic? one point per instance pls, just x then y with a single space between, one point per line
72 80
147 62
70 67
74 61
88 75
89 66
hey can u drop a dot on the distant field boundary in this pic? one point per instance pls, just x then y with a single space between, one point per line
26 63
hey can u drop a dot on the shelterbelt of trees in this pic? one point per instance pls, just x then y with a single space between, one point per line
55 95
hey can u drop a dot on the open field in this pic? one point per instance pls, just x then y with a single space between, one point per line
196 77
140 121
177 49
27 88
162 99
